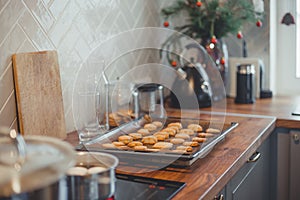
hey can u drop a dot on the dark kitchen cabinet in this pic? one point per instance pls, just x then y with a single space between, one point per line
288 162
253 180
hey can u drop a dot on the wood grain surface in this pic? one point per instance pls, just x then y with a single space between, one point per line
280 107
207 176
39 94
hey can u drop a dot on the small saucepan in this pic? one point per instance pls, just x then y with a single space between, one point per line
93 176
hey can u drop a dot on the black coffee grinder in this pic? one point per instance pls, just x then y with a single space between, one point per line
245 84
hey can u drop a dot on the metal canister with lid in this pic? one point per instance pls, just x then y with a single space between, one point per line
148 95
245 80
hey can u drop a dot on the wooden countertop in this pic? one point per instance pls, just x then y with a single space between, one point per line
279 106
207 176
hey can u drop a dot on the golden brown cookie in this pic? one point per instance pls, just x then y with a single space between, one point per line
150 127
112 122
158 124
147 118
177 124
177 140
125 139
124 148
192 144
149 140
195 127
164 133
182 135
213 130
143 131
199 139
185 148
135 136
205 135
140 148
187 131
134 143
159 137
176 128
118 143
114 118
163 145
171 131
108 146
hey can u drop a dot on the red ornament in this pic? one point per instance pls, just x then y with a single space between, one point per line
239 35
258 23
199 4
222 61
166 24
174 63
213 40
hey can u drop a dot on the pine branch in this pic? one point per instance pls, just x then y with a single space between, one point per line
213 18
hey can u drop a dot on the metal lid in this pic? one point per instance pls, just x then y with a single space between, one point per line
149 87
46 160
96 159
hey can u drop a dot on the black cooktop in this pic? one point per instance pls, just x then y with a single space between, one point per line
141 188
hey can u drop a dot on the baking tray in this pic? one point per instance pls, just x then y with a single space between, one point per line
163 157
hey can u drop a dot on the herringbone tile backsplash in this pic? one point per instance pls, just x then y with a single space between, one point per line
72 27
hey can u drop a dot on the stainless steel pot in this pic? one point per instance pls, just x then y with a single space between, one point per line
93 177
33 167
150 99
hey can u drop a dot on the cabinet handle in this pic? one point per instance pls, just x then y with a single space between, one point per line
254 157
296 138
220 197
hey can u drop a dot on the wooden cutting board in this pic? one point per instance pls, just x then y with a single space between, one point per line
39 94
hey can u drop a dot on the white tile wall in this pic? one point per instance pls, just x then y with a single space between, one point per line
73 28
7 88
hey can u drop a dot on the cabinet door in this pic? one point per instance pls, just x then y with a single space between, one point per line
294 164
283 166
253 180
288 164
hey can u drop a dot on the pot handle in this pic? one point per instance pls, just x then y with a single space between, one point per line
18 141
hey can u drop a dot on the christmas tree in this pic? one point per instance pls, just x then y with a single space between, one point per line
214 18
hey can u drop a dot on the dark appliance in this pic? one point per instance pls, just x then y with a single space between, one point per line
198 87
245 84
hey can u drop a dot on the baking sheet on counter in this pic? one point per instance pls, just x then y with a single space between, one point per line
165 156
